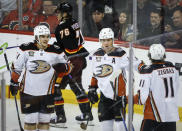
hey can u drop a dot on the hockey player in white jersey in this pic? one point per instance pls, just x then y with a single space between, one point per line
39 59
109 69
159 87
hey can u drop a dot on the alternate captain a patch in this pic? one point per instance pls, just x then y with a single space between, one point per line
98 59
31 53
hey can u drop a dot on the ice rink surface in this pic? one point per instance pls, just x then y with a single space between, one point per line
71 111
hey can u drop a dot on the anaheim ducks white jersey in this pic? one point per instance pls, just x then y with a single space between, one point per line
38 78
107 67
159 86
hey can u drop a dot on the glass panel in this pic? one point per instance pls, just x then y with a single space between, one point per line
159 22
7 10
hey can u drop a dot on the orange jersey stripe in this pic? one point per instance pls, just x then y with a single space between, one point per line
15 76
93 82
74 50
148 112
121 86
83 100
59 102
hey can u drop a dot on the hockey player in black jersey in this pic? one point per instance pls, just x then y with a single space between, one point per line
69 38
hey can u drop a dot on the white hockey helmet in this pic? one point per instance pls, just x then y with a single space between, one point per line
41 30
106 33
156 52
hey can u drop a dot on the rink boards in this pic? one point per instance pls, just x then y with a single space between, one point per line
10 41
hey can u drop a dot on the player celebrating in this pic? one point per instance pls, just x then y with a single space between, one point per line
37 86
109 75
70 39
159 87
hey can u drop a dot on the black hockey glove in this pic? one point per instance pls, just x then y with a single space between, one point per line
92 94
14 86
121 101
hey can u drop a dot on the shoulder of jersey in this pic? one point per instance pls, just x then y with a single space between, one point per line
169 64
149 68
99 52
54 49
118 52
28 46
69 21
146 69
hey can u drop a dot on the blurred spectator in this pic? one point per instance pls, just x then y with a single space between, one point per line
177 19
5 7
47 16
110 12
155 28
95 22
174 39
35 6
85 10
11 20
125 29
144 8
169 8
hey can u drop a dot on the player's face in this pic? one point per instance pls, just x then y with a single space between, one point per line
59 16
43 40
107 44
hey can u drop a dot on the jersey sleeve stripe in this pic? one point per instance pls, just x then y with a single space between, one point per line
51 85
74 50
154 108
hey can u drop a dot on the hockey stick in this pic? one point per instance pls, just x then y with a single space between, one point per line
19 121
83 125
124 122
112 79
74 81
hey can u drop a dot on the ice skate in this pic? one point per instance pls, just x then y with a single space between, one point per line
84 117
58 121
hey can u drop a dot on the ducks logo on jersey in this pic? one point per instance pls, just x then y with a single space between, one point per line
39 66
103 70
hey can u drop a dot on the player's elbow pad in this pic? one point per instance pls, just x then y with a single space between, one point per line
62 68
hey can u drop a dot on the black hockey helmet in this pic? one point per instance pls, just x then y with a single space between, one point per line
64 7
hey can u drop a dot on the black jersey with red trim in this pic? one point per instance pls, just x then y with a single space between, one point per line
69 37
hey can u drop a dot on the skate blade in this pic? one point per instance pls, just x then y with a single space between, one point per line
90 123
60 125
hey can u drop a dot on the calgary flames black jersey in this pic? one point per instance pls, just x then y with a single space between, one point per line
69 37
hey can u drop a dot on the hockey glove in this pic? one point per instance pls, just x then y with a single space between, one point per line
121 100
62 69
92 94
14 86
